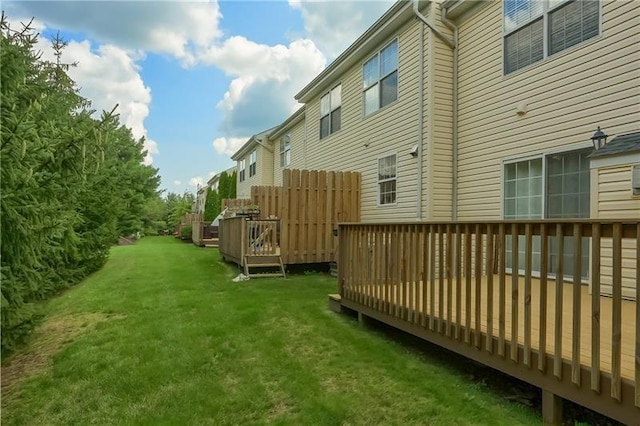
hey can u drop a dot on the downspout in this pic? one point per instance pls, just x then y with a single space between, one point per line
453 46
454 130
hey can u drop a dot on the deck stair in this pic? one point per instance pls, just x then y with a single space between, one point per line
264 263
210 242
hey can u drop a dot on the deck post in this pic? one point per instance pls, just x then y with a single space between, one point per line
551 408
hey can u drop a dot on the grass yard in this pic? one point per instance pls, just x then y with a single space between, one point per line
162 335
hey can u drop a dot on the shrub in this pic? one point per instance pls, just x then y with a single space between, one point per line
186 232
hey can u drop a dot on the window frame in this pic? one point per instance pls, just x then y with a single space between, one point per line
635 180
543 157
242 166
379 181
380 78
285 150
253 160
331 111
548 7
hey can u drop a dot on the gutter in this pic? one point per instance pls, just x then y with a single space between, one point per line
453 45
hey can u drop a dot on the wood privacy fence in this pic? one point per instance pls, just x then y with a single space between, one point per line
235 203
188 220
451 283
309 205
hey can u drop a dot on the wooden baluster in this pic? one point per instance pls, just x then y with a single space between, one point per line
514 291
432 285
426 263
404 279
467 282
502 288
595 307
478 286
442 271
577 308
449 270
616 326
557 355
528 255
489 272
458 266
544 270
415 255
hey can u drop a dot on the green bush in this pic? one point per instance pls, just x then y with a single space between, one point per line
186 232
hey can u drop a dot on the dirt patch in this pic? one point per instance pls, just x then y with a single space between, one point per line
47 340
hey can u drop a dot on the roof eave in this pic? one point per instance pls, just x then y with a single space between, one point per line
244 149
459 8
294 119
397 15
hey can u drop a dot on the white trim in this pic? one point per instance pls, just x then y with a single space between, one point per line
378 181
615 160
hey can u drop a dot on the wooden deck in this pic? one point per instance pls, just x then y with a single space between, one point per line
450 283
453 319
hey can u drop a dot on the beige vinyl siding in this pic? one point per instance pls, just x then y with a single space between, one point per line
613 200
440 112
297 152
568 94
264 171
362 140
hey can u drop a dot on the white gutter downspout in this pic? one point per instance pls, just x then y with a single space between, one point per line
454 130
420 123
453 46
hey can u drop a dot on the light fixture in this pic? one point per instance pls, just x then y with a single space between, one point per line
599 139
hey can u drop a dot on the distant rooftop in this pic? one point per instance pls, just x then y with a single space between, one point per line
620 144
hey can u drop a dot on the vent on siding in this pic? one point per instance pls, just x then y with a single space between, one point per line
635 180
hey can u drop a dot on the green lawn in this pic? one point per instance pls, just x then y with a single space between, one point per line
161 335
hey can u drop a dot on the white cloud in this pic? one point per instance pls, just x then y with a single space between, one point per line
177 182
197 181
228 146
334 25
265 80
178 28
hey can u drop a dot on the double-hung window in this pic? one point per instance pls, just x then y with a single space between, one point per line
330 112
285 150
242 164
252 163
380 79
387 178
535 29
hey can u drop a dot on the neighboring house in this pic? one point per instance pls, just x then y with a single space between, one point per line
288 144
201 198
254 163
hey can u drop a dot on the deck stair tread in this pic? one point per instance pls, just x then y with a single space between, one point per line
267 261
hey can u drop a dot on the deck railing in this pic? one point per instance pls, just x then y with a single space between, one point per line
452 283
239 237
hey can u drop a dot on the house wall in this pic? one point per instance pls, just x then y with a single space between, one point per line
264 171
297 151
362 140
568 94
613 199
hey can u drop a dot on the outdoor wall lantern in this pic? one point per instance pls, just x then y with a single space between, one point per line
599 138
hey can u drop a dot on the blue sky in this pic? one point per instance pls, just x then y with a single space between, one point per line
196 79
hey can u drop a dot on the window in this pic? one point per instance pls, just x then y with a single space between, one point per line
242 164
635 180
252 163
387 180
567 23
285 150
330 112
551 186
380 79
